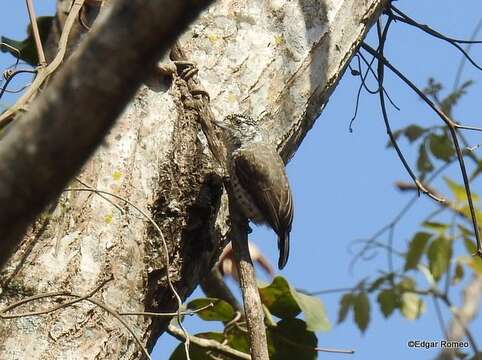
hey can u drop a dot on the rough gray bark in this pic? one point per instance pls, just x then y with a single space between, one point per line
277 61
28 147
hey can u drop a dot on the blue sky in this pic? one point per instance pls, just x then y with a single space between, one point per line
343 182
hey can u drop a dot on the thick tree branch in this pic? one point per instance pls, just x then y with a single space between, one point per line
48 145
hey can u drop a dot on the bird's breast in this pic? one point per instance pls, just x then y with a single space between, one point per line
245 201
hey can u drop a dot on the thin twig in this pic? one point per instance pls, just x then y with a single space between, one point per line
380 69
328 291
440 318
10 77
122 321
45 72
463 60
403 186
36 34
454 42
393 222
100 194
452 129
208 344
42 296
364 86
78 299
336 351
448 273
157 314
12 49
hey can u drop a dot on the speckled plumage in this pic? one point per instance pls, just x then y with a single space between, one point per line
259 181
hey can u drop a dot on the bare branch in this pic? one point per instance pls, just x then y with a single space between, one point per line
47 295
463 60
452 126
454 42
36 34
44 72
335 351
208 344
393 140
253 307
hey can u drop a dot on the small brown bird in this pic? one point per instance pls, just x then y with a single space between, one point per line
259 180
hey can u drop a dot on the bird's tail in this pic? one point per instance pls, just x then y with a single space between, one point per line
284 249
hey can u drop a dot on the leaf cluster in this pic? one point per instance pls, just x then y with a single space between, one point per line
289 336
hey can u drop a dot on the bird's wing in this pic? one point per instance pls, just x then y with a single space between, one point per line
260 171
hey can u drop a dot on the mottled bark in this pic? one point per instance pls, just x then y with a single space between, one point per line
278 61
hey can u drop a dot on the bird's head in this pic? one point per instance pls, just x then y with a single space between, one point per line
238 129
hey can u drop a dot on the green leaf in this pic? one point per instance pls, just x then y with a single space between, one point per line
378 282
433 88
452 98
279 300
470 245
196 352
396 134
285 302
362 311
388 300
459 191
458 273
407 284
415 249
412 306
436 226
413 132
441 147
424 165
439 254
237 338
290 339
313 310
220 311
346 302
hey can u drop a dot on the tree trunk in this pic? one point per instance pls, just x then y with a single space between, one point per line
277 61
